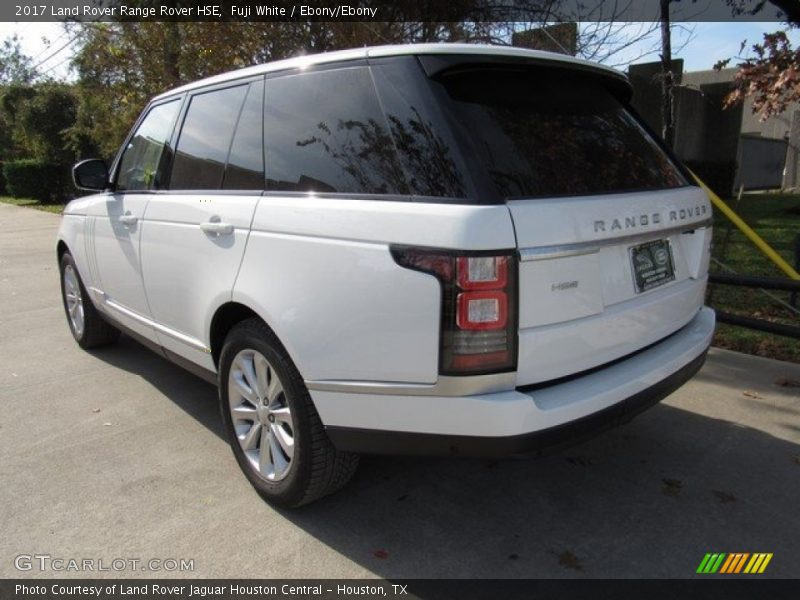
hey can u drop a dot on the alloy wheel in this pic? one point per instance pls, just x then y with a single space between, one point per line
261 415
74 300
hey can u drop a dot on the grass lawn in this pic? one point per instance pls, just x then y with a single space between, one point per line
51 208
776 218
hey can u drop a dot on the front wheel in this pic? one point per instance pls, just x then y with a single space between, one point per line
88 328
274 430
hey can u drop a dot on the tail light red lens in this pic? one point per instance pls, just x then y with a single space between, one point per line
479 313
482 310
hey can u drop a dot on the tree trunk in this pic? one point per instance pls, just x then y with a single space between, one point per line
668 128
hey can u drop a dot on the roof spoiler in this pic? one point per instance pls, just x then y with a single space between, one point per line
437 64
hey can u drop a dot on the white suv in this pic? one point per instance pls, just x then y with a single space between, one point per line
438 249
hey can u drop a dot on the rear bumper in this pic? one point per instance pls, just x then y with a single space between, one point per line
402 442
518 421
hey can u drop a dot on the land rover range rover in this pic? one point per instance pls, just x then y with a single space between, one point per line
434 249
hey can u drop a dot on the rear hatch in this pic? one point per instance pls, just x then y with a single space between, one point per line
613 240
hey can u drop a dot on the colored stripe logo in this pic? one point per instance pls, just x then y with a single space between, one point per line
734 563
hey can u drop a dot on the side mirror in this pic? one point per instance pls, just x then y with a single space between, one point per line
90 175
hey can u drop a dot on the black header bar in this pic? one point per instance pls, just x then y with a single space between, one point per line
481 11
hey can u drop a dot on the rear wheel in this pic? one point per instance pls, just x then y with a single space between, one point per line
88 328
274 430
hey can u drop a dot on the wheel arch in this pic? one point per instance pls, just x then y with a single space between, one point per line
61 249
225 318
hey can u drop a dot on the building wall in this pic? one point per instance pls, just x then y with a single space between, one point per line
774 127
707 134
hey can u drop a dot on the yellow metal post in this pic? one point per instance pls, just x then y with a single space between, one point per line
745 229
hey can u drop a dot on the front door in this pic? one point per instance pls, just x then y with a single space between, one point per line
115 225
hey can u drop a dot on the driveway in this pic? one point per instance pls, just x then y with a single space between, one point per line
119 454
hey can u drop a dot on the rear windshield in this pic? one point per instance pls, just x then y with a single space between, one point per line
549 133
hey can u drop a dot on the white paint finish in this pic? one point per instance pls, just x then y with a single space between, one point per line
187 271
72 234
697 250
79 206
557 221
343 309
117 255
554 351
544 302
302 62
602 317
514 413
567 401
458 226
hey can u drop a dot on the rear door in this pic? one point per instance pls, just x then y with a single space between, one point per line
613 240
195 233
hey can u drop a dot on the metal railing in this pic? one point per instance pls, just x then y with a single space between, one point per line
763 284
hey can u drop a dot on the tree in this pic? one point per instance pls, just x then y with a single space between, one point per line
40 117
121 65
771 77
15 66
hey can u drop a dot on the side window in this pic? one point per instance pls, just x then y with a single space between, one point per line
205 139
422 135
245 168
142 160
324 131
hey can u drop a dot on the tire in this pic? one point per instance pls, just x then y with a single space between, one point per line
259 383
86 324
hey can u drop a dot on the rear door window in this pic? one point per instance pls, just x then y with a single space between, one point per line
205 139
245 168
324 131
544 133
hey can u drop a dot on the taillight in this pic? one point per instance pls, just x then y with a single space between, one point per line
479 308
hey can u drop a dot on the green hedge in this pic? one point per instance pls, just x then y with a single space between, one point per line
38 179
2 180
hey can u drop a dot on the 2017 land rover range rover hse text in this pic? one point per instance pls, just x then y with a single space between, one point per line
433 249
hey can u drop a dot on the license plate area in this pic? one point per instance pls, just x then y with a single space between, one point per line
652 265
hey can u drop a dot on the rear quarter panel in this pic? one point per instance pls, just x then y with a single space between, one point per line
321 274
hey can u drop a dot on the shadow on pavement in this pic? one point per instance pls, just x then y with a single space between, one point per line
647 499
193 395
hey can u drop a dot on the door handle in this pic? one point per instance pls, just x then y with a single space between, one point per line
216 226
128 219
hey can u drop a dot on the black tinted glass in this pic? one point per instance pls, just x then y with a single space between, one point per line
324 132
205 139
245 169
544 133
141 164
421 135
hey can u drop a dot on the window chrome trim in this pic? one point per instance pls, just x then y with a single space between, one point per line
582 248
468 385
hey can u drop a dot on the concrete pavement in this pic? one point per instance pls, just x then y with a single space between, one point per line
119 454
